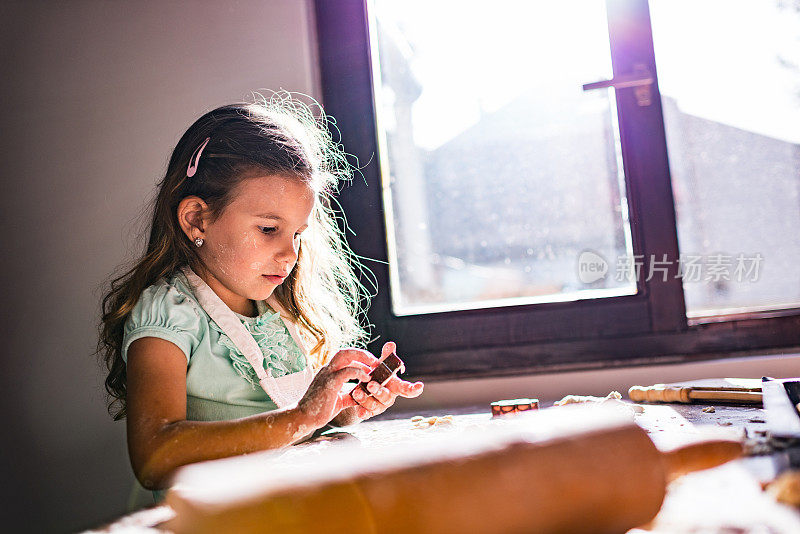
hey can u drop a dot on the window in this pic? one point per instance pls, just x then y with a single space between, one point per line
490 203
731 104
523 216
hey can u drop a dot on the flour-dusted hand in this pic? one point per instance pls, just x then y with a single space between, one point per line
384 396
324 398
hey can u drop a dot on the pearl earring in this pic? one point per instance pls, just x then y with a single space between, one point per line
199 242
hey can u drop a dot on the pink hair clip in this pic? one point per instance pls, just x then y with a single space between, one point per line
195 159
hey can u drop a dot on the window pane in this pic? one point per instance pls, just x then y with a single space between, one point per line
501 176
729 75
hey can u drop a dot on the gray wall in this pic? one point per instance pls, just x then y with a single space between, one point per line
94 96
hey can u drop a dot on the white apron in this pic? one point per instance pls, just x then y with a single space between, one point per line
285 391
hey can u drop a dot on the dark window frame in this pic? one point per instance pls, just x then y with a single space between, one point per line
649 327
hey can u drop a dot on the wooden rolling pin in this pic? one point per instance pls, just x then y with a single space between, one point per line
688 394
568 469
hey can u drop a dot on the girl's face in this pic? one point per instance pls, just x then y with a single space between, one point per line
252 247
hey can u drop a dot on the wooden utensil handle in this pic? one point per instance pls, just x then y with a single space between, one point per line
664 393
701 455
742 397
659 393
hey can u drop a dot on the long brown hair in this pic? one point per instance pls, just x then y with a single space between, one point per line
279 135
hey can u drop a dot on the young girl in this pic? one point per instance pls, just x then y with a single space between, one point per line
235 331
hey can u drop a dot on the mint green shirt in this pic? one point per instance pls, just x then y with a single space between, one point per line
220 382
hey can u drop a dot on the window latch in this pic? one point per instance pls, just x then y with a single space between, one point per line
641 80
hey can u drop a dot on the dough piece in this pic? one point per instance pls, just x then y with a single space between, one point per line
709 409
577 399
613 400
426 422
786 488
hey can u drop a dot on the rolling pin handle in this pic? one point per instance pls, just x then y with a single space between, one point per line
701 455
659 393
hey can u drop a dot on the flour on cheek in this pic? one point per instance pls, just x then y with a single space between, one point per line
222 255
229 265
249 249
249 241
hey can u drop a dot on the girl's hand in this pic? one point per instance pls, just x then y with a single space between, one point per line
324 398
384 396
